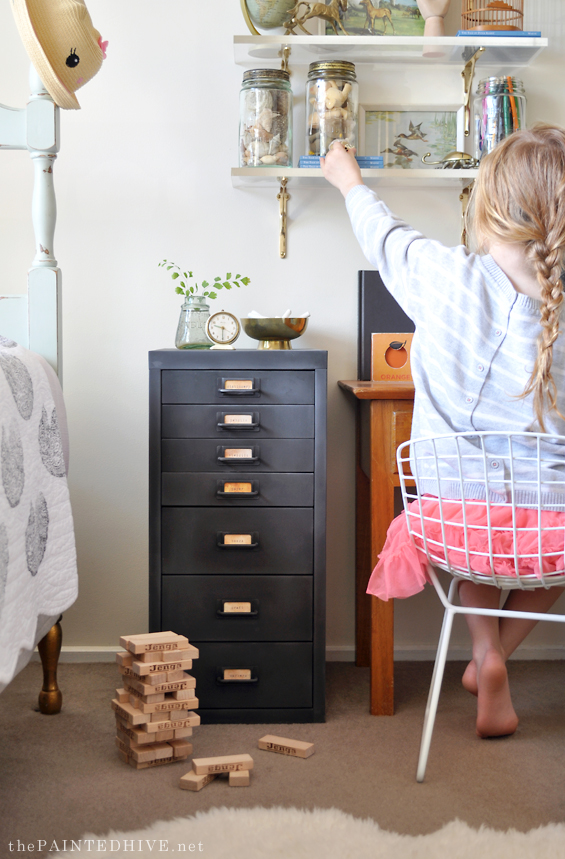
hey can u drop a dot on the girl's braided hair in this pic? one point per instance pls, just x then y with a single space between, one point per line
519 197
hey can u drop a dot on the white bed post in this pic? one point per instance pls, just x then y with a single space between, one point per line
44 277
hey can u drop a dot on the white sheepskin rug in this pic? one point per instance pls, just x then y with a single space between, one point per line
291 833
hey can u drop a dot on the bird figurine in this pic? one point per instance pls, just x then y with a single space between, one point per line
400 149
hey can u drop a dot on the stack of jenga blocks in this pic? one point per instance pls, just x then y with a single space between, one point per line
154 709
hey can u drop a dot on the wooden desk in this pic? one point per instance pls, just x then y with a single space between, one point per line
383 422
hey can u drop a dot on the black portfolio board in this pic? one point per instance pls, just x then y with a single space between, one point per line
378 312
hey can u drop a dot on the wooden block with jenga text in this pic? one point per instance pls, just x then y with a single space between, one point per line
181 748
149 641
284 746
128 713
190 721
222 764
239 778
193 781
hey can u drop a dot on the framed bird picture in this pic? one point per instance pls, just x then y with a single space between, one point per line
403 135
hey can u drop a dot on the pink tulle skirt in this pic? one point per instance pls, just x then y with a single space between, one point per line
402 567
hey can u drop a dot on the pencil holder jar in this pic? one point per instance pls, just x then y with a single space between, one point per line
500 109
265 119
331 103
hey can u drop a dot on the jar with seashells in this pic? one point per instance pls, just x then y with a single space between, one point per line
265 119
332 100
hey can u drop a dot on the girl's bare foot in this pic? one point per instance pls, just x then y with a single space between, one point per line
469 679
495 714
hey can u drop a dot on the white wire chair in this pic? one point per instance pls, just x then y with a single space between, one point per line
451 482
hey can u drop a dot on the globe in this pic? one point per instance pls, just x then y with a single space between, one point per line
269 13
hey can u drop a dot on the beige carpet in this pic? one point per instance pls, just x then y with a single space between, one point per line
60 776
290 833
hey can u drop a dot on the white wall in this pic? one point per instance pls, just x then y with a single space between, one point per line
143 174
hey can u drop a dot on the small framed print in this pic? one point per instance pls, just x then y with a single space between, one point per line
380 19
403 135
390 357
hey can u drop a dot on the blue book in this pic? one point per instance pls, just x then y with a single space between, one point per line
374 161
529 34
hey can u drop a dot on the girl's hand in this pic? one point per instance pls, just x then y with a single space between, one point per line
340 168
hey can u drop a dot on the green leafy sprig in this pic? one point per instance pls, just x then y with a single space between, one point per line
208 290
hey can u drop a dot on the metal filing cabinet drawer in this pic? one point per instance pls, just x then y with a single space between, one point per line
248 489
239 608
237 526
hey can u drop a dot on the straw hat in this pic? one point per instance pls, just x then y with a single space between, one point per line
62 44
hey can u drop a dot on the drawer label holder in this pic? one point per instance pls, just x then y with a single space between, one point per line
238 454
237 608
230 675
239 422
239 387
228 540
237 489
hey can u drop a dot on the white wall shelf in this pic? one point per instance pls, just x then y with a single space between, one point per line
304 177
510 51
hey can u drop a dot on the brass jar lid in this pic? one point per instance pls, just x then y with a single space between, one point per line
334 68
266 74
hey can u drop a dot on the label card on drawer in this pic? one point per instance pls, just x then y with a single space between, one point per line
237 673
239 384
238 419
237 539
238 487
236 607
238 453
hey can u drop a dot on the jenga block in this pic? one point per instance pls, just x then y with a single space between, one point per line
150 656
142 669
122 695
156 679
181 748
183 694
154 641
145 765
162 736
128 713
168 705
222 764
148 689
190 722
173 655
182 733
152 752
239 778
124 659
137 736
284 746
160 717
192 781
171 676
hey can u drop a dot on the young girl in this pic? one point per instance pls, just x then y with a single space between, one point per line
487 353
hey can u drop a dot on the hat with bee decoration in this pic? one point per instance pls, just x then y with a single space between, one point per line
62 44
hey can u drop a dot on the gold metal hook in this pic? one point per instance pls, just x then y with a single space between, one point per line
283 197
467 74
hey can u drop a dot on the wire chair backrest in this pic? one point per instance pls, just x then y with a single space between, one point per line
488 506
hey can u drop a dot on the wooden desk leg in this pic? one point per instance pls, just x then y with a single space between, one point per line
382 514
363 570
50 697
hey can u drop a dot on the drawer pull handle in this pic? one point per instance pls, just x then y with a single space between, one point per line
221 679
238 392
237 426
221 545
238 459
237 613
237 494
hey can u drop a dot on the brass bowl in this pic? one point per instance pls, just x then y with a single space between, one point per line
274 333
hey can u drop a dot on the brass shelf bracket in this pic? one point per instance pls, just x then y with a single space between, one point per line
284 53
464 198
467 74
283 197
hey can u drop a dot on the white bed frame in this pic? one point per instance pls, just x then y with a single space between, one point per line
34 320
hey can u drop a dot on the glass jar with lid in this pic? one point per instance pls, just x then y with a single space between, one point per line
500 109
265 119
332 101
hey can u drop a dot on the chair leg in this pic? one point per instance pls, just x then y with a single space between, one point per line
433 697
50 697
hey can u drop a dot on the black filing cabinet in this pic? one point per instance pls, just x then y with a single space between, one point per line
237 515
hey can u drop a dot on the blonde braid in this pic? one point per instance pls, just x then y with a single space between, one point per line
548 265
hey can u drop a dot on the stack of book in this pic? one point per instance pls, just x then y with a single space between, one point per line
368 161
155 707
